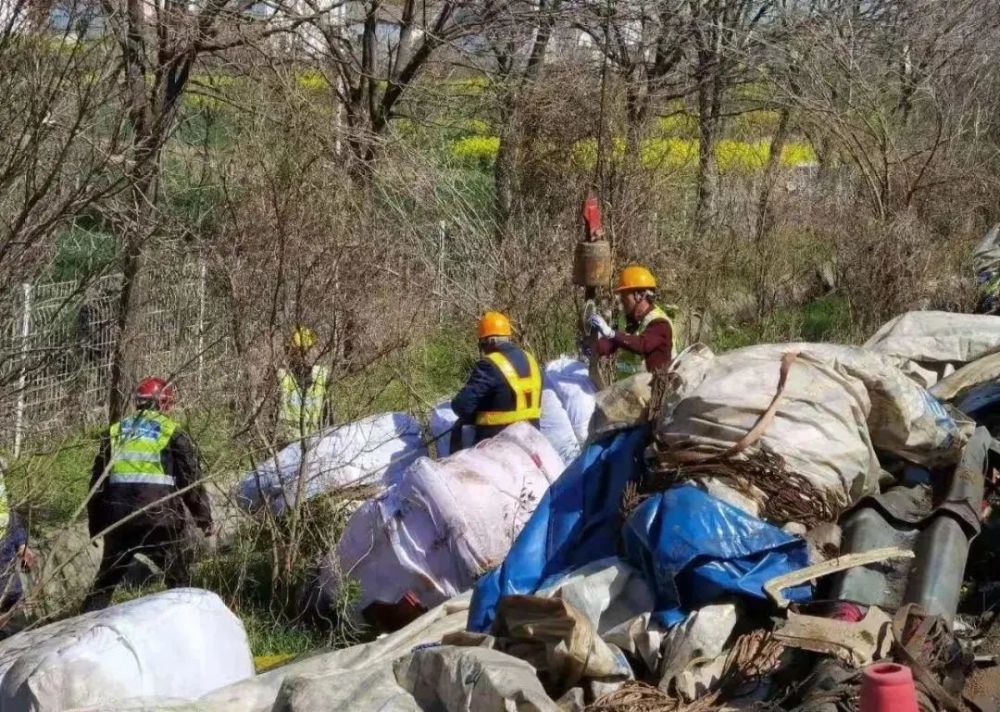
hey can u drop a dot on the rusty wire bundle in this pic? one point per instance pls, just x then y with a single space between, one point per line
635 696
753 656
782 494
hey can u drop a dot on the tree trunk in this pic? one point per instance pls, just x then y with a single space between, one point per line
764 219
708 174
505 171
142 203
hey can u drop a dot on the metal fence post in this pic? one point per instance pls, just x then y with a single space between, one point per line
442 234
22 381
201 324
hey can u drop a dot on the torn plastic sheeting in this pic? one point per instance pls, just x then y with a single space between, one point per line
694 549
980 398
608 592
559 642
576 522
457 679
622 405
963 381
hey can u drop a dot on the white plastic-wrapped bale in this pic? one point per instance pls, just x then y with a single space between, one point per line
905 419
941 341
179 644
570 380
838 405
445 522
557 427
373 450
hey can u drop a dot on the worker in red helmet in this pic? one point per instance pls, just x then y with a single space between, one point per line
145 482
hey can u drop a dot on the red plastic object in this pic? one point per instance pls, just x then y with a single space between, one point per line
849 612
888 687
389 617
592 215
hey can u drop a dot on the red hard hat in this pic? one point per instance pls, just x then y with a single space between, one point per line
155 390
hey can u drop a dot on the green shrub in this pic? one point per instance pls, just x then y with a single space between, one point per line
81 253
479 149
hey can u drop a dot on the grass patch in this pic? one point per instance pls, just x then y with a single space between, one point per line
272 638
48 485
823 320
409 380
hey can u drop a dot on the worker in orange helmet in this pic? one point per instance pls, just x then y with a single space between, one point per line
505 385
647 342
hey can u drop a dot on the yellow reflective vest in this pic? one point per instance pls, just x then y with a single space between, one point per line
629 363
4 507
527 392
137 445
301 413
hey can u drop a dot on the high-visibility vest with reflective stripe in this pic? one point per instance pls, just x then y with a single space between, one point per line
630 363
527 392
137 445
302 413
4 507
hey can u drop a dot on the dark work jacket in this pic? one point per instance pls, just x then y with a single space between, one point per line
112 502
655 344
487 390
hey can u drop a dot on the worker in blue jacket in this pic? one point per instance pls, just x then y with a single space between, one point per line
505 385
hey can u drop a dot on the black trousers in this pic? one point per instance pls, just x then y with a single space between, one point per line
167 547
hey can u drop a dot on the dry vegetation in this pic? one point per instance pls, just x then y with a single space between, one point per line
386 185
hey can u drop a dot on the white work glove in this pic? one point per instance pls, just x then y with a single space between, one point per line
597 323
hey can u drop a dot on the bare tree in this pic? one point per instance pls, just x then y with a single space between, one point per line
519 47
722 31
372 53
61 156
159 44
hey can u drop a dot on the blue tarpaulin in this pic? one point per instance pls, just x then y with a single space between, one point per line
578 522
983 397
694 549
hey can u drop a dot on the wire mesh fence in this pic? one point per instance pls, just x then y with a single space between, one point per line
57 340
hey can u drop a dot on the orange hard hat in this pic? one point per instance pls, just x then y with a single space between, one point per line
635 277
494 324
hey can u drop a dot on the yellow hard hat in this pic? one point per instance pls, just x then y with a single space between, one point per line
303 338
494 324
635 277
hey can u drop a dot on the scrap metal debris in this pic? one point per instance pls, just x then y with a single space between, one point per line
775 586
781 494
856 643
